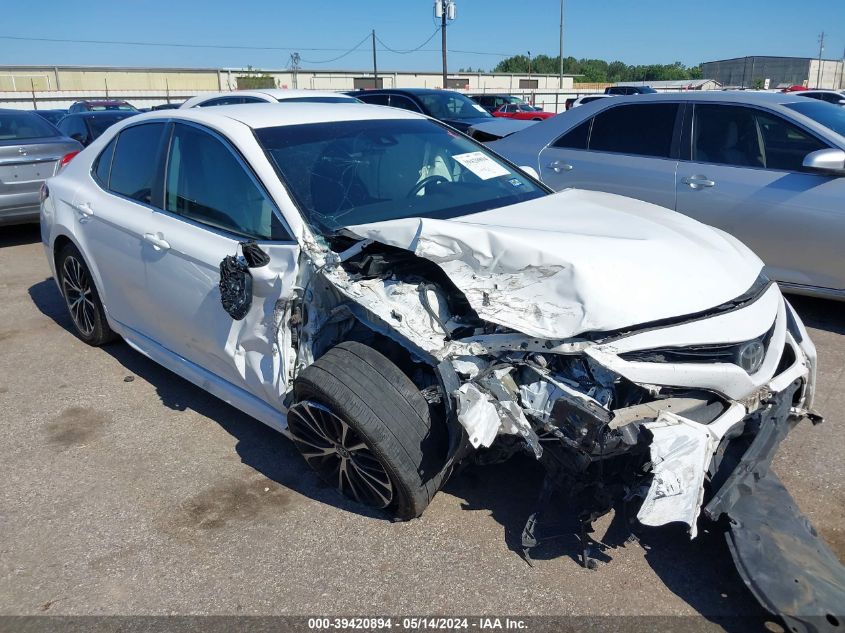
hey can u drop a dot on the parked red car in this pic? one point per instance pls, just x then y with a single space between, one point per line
522 111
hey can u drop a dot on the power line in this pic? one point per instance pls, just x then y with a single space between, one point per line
386 48
410 50
334 59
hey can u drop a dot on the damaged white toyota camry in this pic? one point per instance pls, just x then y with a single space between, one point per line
398 299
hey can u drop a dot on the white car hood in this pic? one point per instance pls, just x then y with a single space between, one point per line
578 261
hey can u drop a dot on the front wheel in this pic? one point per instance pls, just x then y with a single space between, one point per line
364 427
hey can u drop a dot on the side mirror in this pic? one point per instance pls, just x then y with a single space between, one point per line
530 171
842 102
826 161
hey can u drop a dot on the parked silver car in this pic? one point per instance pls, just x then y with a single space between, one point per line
767 168
31 150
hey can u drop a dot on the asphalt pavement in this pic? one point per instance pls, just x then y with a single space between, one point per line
127 490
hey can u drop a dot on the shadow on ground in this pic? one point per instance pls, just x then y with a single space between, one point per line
700 572
822 314
19 234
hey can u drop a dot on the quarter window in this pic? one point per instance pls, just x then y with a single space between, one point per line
206 183
576 138
135 159
103 165
643 129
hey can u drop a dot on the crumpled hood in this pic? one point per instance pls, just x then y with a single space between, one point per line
578 261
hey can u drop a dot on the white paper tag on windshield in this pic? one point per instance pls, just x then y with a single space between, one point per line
478 107
481 165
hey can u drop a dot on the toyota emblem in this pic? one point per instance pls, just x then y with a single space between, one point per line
751 356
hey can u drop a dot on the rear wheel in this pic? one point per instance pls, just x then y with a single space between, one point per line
364 427
83 302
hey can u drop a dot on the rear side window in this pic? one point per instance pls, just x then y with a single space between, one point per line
103 164
135 159
645 129
375 99
576 138
398 101
207 183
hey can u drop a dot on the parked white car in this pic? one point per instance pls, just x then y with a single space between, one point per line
585 99
396 298
266 95
836 97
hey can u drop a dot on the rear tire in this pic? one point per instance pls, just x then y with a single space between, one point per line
364 427
81 297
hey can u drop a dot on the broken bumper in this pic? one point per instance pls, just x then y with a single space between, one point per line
778 553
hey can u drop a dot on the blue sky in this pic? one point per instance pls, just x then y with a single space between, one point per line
636 32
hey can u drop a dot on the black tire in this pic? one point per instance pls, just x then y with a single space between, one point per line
354 385
81 298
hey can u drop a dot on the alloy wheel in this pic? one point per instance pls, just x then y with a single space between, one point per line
339 454
79 295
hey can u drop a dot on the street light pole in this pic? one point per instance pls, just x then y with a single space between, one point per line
560 79
375 65
443 40
445 10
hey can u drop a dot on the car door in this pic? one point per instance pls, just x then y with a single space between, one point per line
212 201
628 149
113 211
742 173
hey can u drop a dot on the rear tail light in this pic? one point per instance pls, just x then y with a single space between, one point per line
65 160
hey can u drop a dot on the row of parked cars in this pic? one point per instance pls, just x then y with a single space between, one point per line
396 297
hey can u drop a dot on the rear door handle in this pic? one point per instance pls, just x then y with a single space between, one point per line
697 182
84 209
558 166
157 240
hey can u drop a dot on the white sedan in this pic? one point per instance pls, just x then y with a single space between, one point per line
396 298
266 95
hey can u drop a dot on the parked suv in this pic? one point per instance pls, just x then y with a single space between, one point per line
767 167
97 106
629 90
453 108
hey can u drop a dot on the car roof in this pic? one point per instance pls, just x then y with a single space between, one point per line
96 113
102 101
261 115
407 91
737 96
278 94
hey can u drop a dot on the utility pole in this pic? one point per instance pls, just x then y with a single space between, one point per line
375 65
294 64
445 10
560 79
821 50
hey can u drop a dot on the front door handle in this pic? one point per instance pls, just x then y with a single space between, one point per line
157 240
84 209
558 166
698 182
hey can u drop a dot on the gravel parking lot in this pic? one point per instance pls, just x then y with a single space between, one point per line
127 490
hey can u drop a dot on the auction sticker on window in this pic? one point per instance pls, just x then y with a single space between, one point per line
481 165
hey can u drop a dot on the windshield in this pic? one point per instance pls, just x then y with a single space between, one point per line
101 122
826 114
16 126
451 105
354 172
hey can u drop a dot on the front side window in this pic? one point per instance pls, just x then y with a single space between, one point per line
135 160
642 129
222 101
747 137
205 182
342 174
21 126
